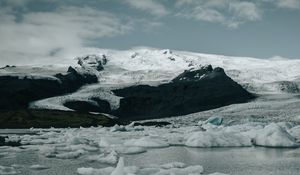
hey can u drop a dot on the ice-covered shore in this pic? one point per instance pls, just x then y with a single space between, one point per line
105 145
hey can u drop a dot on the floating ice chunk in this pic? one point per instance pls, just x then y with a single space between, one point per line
217 139
194 170
111 158
120 168
93 171
273 135
218 174
130 150
285 125
70 155
5 170
215 120
38 167
173 165
147 142
295 132
48 151
117 128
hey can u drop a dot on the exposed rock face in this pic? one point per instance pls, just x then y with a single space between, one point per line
74 79
17 93
196 75
93 61
192 91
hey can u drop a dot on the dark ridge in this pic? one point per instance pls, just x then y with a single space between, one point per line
190 92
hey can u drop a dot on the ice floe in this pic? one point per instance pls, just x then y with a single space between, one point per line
105 145
111 158
275 135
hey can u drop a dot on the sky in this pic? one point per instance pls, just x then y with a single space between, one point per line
33 31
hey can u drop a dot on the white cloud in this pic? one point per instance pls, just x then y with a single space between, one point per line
231 13
291 4
52 34
151 6
245 10
207 14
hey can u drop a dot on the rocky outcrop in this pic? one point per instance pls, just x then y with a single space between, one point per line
92 61
190 92
17 92
74 79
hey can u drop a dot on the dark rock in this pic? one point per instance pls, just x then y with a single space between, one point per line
82 106
103 106
17 93
13 143
73 79
190 92
3 142
152 123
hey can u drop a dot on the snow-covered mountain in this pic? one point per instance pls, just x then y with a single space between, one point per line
122 68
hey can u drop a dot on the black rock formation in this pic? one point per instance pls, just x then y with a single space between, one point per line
190 92
73 79
17 93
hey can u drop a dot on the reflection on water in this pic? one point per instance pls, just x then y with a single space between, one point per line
234 161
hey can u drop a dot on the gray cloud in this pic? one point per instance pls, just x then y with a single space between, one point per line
230 13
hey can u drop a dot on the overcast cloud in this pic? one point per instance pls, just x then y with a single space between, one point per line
39 30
